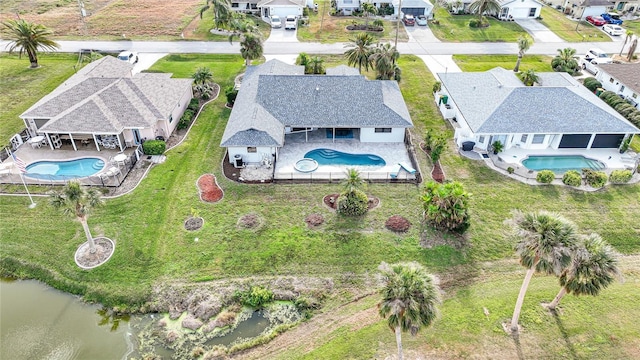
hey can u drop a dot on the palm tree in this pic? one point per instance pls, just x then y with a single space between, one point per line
523 45
627 39
384 58
446 206
479 7
76 200
632 48
529 77
316 65
304 60
28 38
353 181
594 267
251 47
360 51
544 245
368 9
222 12
202 75
565 61
409 299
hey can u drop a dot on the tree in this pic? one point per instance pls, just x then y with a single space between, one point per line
202 75
28 38
446 206
304 60
594 266
544 245
222 12
316 65
384 58
627 39
565 61
251 48
632 48
360 51
352 201
523 45
76 200
409 299
479 7
368 9
529 77
353 181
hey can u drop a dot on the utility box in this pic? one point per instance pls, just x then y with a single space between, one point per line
237 161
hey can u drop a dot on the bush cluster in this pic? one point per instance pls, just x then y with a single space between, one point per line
154 147
545 176
572 178
593 178
186 119
477 23
231 93
353 203
620 176
621 106
255 297
592 84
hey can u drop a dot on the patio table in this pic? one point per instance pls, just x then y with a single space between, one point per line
36 141
120 158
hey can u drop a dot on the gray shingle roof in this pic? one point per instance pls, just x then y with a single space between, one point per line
342 70
627 74
493 106
269 101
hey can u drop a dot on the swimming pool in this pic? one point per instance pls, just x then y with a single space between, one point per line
561 163
61 170
334 157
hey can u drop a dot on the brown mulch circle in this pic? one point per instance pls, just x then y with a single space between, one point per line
193 223
374 202
87 260
250 221
209 189
313 220
397 223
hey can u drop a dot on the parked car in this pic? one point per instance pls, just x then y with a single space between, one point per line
596 20
408 20
276 23
128 56
291 22
596 53
422 20
612 18
614 30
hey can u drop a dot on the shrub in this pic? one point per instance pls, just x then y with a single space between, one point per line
353 203
572 178
592 84
194 105
185 120
379 23
595 179
545 176
154 147
510 170
397 223
620 176
446 206
475 23
231 93
256 297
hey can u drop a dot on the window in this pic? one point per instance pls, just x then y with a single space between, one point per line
170 119
532 12
252 149
621 88
538 139
611 80
523 138
235 5
383 130
481 139
635 96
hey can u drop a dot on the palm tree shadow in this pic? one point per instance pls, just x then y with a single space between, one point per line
565 335
516 341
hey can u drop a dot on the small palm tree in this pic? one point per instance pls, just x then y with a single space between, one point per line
409 299
594 267
75 200
523 45
360 51
544 245
28 38
384 58
222 12
565 61
353 181
446 206
480 7
304 60
627 39
202 75
529 77
368 9
316 65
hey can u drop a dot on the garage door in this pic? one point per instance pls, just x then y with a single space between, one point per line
413 11
575 141
608 141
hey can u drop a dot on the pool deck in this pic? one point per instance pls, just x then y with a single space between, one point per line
611 158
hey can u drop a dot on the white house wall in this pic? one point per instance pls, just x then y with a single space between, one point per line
610 83
178 111
521 9
283 11
255 157
369 135
590 11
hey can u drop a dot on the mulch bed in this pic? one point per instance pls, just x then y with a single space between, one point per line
363 27
250 222
193 223
88 260
209 189
397 223
436 174
373 201
314 220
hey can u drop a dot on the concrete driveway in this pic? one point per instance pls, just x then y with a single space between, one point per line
282 35
539 32
146 60
421 34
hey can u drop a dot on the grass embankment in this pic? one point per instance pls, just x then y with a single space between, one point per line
455 28
569 30
632 25
537 63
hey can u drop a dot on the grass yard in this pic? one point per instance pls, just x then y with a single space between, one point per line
455 28
199 29
538 63
17 96
632 25
569 30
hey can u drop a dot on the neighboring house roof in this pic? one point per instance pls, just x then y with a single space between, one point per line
263 3
588 3
496 102
275 95
103 97
627 74
412 3
507 2
343 70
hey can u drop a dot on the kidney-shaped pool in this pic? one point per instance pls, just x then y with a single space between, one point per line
60 170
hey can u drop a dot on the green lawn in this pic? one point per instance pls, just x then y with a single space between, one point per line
632 25
21 86
569 30
539 63
204 25
455 28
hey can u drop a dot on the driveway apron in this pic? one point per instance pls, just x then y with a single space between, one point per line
539 32
440 64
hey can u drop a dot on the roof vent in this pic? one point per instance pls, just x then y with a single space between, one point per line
317 88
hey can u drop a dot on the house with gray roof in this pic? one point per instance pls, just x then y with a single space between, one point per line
622 79
104 101
559 114
276 100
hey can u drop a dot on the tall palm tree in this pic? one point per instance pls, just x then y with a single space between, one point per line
627 39
353 181
529 77
594 267
523 45
479 7
409 299
222 12
360 51
384 58
565 61
202 75
544 245
251 47
75 200
28 38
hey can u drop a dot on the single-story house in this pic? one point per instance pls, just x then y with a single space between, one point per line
103 102
623 79
412 7
282 8
509 9
277 99
560 114
580 9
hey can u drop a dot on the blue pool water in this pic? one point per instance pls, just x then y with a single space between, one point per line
333 157
561 164
65 169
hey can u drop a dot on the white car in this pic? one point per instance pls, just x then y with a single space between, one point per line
276 23
128 56
291 22
596 53
614 30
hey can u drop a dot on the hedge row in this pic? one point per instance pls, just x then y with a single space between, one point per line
620 105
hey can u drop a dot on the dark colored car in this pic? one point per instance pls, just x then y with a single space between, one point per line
596 20
612 18
409 20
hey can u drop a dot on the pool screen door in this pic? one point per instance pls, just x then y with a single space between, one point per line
575 141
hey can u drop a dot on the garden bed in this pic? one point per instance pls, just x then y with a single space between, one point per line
209 189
